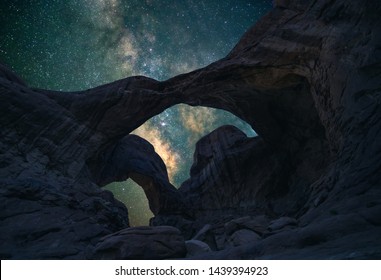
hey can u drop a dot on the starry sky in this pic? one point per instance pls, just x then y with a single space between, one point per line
72 45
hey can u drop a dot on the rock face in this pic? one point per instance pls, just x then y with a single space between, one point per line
43 221
128 158
307 77
243 237
196 247
141 243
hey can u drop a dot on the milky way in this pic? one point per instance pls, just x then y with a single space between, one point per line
78 44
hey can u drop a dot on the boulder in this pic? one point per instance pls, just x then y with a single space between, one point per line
243 237
147 243
196 247
281 223
256 224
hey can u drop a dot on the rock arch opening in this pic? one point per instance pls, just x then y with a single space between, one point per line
133 196
173 134
277 103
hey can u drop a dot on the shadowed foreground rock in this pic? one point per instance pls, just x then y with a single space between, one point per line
306 77
141 243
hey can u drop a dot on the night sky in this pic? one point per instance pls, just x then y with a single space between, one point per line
77 44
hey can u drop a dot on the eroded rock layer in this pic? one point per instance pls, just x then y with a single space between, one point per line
307 78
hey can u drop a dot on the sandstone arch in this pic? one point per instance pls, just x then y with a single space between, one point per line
325 53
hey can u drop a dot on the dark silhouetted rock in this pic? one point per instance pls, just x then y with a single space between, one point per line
281 223
135 158
306 77
196 247
41 221
201 233
243 237
149 243
257 224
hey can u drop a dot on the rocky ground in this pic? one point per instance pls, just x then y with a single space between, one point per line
307 77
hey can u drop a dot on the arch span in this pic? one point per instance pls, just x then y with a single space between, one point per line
135 158
173 134
275 100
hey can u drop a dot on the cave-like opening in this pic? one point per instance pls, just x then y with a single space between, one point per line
174 134
133 196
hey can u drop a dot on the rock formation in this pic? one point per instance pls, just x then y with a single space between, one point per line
141 243
306 77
